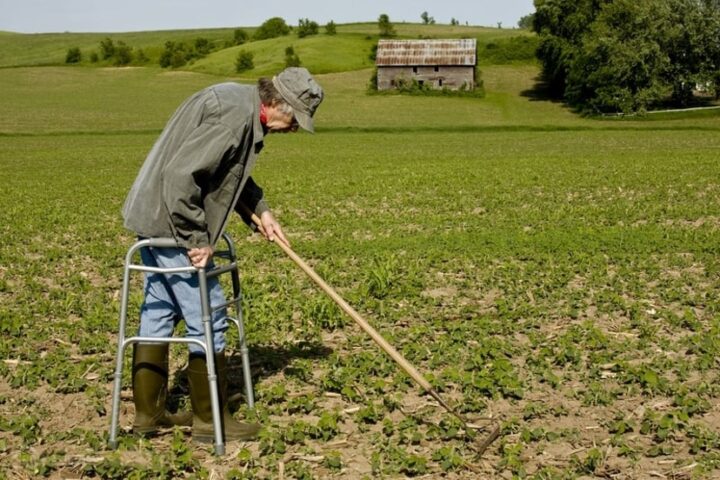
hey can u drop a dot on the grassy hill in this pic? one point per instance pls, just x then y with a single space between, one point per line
19 49
348 50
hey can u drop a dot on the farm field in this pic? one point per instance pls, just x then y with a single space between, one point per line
558 274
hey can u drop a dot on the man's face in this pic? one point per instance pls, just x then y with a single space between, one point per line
279 121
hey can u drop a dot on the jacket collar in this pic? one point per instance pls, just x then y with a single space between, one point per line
258 134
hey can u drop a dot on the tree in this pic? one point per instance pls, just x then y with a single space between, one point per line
691 43
240 36
623 55
454 22
272 28
386 27
107 48
330 28
427 19
291 58
373 52
526 21
307 27
618 64
244 61
560 25
202 47
123 54
73 55
175 55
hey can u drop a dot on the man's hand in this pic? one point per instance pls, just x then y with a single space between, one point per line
271 228
199 257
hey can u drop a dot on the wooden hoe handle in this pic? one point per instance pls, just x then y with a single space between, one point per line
389 349
479 448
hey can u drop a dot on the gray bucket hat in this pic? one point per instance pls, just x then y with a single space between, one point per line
301 92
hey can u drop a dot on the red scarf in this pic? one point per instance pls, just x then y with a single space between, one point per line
263 114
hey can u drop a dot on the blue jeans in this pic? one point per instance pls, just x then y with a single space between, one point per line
170 297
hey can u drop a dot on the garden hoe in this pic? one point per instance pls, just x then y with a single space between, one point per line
480 446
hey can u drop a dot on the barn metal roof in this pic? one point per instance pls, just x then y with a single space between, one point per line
426 52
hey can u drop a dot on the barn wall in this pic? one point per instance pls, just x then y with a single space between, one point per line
452 77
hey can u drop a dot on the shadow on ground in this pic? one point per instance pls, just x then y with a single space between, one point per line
265 361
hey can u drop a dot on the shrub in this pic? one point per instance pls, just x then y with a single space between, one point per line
94 58
175 55
291 58
330 28
307 27
123 54
240 36
244 61
73 55
107 48
373 53
272 28
202 47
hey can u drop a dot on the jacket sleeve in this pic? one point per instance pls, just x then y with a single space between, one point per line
186 175
252 196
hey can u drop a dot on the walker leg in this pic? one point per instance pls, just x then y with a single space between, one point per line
117 384
210 356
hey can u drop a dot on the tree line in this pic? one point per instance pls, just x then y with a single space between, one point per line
627 56
178 53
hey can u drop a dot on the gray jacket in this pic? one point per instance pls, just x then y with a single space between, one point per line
199 168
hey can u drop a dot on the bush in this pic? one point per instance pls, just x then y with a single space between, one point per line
107 48
73 55
272 28
373 53
123 54
202 47
240 36
94 58
291 58
307 27
410 86
244 61
175 55
330 28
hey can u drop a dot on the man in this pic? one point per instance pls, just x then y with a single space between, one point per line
197 172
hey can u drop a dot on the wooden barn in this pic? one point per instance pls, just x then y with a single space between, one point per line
438 63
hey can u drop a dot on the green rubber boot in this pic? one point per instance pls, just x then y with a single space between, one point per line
202 427
149 380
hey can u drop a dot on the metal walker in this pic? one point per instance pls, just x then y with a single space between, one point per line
207 345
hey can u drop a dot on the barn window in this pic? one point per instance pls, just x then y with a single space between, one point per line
421 82
414 69
437 69
440 82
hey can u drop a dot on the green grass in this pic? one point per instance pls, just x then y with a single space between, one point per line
557 272
319 53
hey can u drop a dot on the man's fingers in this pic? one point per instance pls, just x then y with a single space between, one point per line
199 256
281 236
